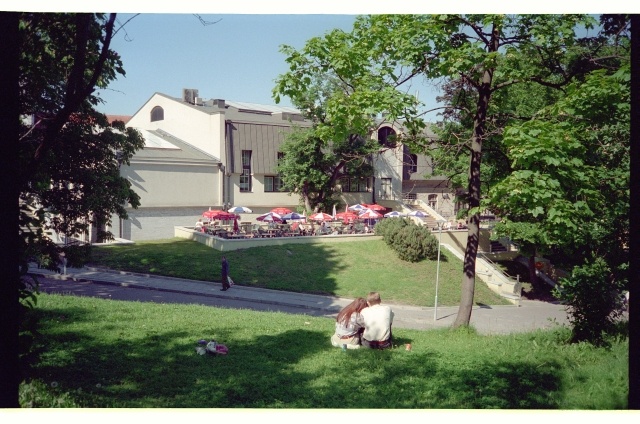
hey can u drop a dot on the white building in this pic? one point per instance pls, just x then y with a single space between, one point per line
202 154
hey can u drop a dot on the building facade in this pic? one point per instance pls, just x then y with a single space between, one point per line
214 154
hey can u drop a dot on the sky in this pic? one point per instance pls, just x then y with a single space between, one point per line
236 58
167 48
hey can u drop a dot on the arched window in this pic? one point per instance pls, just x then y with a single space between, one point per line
386 137
157 114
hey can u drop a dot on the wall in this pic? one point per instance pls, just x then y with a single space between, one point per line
173 185
227 245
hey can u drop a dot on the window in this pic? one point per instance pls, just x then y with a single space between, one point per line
157 114
413 163
385 188
354 184
272 184
245 177
433 201
387 137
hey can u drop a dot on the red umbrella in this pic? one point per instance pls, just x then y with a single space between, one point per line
346 216
219 214
320 216
374 207
281 211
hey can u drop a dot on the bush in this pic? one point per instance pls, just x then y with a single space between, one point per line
388 228
594 301
414 242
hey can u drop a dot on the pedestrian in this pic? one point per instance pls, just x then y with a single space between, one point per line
225 274
377 323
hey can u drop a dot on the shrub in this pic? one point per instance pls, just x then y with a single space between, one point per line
594 301
414 243
388 228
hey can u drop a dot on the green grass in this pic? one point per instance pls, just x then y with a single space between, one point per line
348 269
114 354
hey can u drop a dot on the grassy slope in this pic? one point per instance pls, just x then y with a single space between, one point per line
105 353
343 269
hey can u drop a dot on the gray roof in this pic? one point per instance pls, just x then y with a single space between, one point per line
160 145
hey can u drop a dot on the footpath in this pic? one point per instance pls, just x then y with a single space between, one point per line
529 315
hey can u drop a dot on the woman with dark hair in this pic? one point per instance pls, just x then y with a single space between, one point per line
349 325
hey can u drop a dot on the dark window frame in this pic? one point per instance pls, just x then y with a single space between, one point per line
245 176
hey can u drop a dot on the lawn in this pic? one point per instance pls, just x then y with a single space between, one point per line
96 353
348 269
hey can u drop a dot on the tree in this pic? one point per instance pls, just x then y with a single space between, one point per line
570 188
333 83
483 54
67 155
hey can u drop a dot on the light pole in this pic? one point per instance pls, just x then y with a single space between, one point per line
440 222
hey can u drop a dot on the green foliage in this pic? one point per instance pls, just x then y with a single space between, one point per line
411 242
70 156
389 228
594 301
414 243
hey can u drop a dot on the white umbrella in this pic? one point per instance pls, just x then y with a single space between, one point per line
334 212
239 209
369 214
357 208
393 214
418 213
270 216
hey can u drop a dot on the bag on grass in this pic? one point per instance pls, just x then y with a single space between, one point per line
230 281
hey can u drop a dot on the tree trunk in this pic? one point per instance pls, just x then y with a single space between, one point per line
471 251
9 193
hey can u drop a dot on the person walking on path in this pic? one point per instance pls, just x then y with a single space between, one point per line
225 274
377 323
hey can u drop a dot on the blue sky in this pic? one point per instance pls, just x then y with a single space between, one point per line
166 48
237 58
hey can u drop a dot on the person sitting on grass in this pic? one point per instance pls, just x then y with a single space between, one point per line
377 323
349 325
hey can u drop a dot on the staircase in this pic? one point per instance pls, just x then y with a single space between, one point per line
497 247
429 221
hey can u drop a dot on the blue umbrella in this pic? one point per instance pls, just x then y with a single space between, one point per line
393 214
418 213
239 209
292 216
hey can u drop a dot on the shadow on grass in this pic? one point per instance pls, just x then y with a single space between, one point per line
295 368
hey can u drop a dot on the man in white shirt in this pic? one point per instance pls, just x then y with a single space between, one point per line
377 323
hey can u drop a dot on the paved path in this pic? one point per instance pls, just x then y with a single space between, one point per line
530 315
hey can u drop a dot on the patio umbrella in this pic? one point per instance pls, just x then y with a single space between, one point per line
281 211
417 213
218 214
346 216
357 208
270 216
320 216
292 216
334 211
375 207
393 214
369 214
239 209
